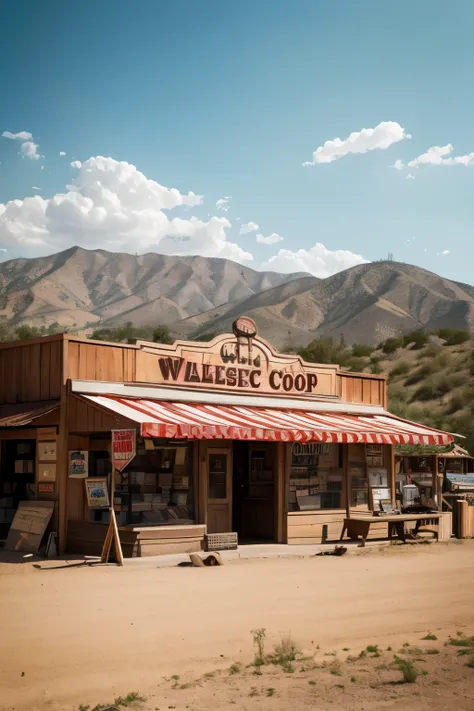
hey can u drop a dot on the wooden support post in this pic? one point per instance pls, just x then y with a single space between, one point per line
345 462
62 473
391 476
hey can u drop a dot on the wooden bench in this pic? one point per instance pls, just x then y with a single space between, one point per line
360 525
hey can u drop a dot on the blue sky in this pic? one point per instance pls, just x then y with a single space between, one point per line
229 99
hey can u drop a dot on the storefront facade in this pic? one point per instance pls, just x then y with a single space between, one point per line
229 436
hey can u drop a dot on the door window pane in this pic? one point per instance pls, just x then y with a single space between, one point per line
217 476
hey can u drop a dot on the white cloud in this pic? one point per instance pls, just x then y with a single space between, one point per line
20 136
446 252
35 187
223 203
369 139
271 239
113 202
318 260
248 227
398 165
29 149
76 164
62 153
409 177
436 155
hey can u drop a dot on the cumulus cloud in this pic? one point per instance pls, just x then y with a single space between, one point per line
440 155
446 252
398 165
111 202
62 153
248 227
369 139
223 203
20 136
35 187
271 239
76 164
318 260
29 149
409 177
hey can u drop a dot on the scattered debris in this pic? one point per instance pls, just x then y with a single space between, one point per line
338 550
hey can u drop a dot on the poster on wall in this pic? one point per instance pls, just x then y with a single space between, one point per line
97 493
45 488
78 464
47 471
47 451
123 448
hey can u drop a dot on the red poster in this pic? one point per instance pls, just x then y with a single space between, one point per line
123 448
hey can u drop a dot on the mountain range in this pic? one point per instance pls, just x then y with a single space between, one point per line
197 296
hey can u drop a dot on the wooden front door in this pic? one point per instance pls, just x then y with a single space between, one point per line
219 486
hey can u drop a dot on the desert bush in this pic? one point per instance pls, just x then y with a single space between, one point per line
453 336
285 651
417 339
259 635
391 345
425 392
421 373
324 350
408 670
357 365
399 369
360 350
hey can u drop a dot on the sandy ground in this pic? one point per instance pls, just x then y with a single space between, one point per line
83 636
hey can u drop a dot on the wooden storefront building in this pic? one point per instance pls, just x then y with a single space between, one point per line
231 436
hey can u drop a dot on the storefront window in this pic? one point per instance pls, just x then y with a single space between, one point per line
17 479
316 476
218 476
156 488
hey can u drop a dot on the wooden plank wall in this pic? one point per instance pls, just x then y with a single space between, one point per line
93 361
84 418
362 389
31 371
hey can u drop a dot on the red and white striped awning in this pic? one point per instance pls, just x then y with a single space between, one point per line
178 420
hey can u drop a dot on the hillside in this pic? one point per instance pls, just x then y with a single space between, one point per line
365 304
78 288
432 384
195 296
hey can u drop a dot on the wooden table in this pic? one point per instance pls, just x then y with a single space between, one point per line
360 525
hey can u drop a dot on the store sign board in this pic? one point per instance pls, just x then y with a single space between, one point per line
124 448
238 362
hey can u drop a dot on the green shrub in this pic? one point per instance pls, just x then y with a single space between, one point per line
453 336
408 670
360 350
417 339
391 345
430 351
357 365
420 374
399 369
425 392
324 350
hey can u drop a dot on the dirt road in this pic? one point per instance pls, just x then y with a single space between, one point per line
84 635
